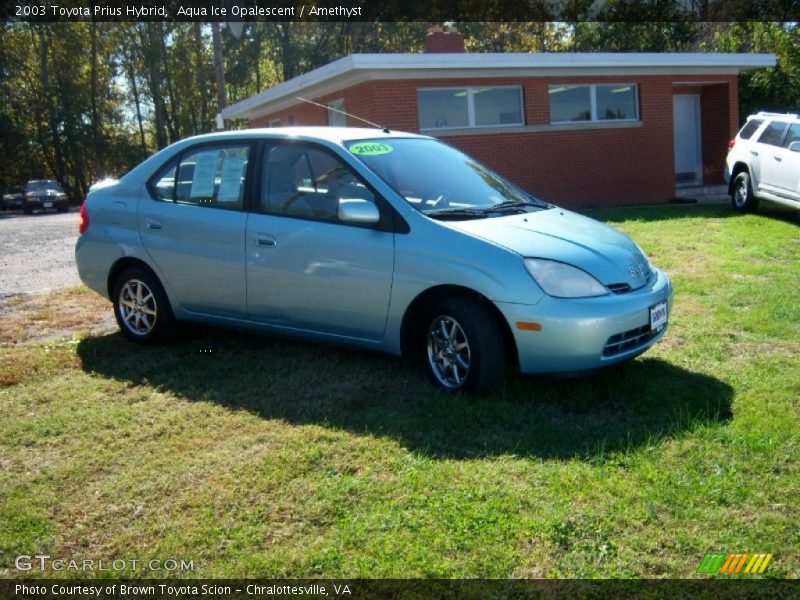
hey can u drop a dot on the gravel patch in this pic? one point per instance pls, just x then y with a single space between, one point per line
37 252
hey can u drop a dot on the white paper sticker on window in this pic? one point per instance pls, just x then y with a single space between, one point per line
231 183
204 170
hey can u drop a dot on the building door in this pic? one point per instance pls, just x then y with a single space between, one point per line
688 153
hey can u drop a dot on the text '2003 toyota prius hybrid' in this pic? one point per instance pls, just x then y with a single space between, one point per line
390 241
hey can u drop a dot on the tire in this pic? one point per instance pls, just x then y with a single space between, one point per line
742 198
462 346
141 307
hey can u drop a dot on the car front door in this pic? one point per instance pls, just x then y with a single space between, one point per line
193 228
305 269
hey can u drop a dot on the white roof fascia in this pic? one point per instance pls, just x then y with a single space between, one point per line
356 68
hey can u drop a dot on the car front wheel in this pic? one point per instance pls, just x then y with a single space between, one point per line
141 307
463 346
742 197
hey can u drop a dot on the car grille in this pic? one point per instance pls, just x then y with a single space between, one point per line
622 342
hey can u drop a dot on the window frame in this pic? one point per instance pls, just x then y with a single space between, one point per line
390 221
337 104
176 160
471 123
593 102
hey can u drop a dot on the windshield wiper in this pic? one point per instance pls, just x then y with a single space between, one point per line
456 213
515 204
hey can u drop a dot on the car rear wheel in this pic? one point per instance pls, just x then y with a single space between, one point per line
463 346
141 307
742 197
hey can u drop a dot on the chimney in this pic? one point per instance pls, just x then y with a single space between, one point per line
441 40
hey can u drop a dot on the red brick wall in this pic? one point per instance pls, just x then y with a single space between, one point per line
575 168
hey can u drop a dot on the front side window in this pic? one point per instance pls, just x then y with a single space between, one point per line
438 180
303 181
208 176
454 108
793 135
596 102
773 133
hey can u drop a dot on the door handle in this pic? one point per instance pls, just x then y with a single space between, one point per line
778 158
262 239
753 152
152 224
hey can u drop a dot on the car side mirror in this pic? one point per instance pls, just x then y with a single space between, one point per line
794 146
357 210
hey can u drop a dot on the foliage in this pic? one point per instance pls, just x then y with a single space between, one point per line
81 101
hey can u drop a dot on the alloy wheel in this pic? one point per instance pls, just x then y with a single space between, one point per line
448 352
137 306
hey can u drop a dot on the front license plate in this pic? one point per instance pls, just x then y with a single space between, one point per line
658 316
48 205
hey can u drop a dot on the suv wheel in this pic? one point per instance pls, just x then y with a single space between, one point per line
463 346
141 307
742 197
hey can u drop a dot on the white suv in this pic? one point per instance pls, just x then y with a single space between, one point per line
764 162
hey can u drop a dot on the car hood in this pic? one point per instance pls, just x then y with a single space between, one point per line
558 234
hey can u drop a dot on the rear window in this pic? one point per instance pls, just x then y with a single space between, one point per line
750 128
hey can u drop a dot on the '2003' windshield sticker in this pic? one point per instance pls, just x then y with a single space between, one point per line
370 148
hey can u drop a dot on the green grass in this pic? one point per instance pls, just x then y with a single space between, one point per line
255 456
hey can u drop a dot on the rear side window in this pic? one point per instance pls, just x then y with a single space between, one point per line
773 133
750 128
207 176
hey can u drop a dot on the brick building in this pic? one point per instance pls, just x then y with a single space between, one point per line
591 129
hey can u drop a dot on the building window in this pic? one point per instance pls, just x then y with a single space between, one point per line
275 123
336 116
290 120
607 102
453 108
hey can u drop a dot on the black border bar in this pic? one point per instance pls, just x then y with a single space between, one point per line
401 10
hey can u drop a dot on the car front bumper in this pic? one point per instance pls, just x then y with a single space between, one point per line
584 334
41 203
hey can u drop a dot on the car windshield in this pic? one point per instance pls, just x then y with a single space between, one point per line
438 180
43 186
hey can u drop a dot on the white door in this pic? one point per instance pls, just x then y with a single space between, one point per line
688 154
785 166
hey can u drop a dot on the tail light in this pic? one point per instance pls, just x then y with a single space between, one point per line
83 224
731 144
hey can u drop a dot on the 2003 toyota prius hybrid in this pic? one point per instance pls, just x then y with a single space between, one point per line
384 240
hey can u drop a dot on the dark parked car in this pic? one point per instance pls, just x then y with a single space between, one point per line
44 194
12 198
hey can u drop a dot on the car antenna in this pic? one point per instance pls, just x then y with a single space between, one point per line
341 112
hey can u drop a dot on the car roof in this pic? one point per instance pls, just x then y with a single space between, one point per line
330 134
42 181
772 115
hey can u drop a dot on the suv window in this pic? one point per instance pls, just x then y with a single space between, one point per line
750 128
303 181
793 135
208 176
773 133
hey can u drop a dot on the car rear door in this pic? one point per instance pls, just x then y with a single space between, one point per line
193 227
786 165
306 270
766 158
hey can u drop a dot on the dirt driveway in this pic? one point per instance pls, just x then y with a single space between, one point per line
37 252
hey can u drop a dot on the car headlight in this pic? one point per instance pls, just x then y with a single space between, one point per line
562 280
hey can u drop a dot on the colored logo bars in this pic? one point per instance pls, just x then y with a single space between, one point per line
729 564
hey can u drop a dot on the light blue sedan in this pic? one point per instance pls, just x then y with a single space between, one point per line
383 240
